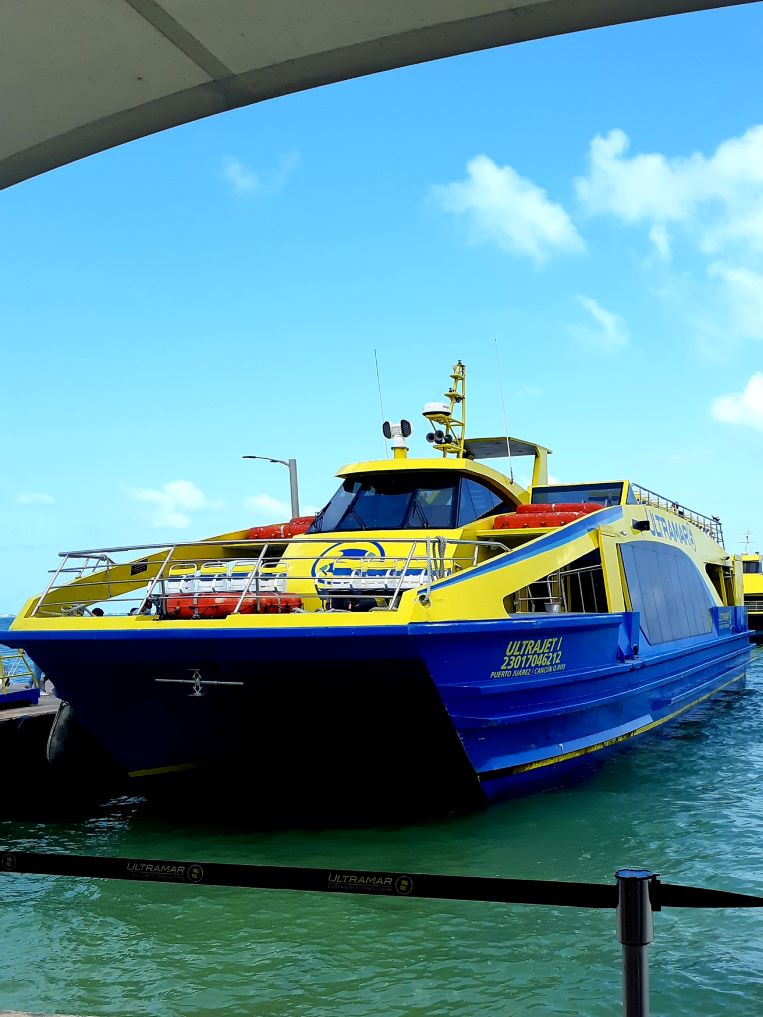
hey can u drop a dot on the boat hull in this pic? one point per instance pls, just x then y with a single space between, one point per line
444 713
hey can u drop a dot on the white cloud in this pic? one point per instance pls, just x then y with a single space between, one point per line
661 239
244 180
268 508
510 210
34 498
609 332
272 510
743 291
718 199
171 505
744 408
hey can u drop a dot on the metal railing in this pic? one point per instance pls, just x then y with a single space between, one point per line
16 670
220 578
709 524
563 591
753 605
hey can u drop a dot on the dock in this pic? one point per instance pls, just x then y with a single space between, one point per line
46 707
24 731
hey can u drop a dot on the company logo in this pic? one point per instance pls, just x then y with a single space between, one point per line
404 885
168 871
669 529
339 561
195 874
370 882
9 862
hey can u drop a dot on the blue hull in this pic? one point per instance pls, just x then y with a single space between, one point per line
469 711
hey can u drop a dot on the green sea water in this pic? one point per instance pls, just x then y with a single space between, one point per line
686 803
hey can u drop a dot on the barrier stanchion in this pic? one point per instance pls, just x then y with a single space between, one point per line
635 932
638 892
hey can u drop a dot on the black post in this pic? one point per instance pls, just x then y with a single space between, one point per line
635 932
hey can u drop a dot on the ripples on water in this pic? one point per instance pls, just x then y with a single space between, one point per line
686 802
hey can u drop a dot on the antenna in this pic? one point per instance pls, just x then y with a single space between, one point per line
503 407
381 404
746 543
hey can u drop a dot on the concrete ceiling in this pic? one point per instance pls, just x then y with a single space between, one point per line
80 76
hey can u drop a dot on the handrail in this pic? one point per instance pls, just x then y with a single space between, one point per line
151 586
253 575
15 665
330 538
710 524
379 580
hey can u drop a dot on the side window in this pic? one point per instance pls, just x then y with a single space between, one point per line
477 501
667 589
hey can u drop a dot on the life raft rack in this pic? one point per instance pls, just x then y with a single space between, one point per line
281 531
219 589
532 517
220 605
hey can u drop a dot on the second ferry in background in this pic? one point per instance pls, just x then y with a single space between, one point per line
752 578
436 631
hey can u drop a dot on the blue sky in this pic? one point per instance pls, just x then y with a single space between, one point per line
592 203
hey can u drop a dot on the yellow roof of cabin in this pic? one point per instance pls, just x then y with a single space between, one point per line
464 466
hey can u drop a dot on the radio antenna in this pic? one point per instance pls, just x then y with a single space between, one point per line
381 403
503 407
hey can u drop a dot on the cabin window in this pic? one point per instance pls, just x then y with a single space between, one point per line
668 591
477 501
433 506
390 501
408 500
751 566
597 494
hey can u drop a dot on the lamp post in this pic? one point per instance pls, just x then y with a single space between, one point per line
291 464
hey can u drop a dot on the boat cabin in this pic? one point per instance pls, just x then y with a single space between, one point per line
416 495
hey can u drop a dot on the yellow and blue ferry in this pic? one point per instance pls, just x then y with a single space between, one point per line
436 629
752 579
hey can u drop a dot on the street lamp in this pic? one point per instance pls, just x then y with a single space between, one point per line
292 467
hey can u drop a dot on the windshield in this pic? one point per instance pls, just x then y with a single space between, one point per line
390 501
598 494
408 500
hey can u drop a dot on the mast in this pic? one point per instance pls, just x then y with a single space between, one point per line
449 419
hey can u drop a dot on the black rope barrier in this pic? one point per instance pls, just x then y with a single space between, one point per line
286 877
496 890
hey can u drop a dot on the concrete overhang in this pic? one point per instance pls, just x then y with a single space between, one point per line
81 76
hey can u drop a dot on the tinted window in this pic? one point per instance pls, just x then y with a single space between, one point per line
433 506
329 517
751 566
668 591
390 501
597 494
477 501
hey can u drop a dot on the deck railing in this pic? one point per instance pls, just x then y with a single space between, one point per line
567 589
710 524
219 578
16 672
